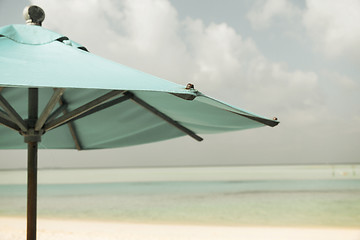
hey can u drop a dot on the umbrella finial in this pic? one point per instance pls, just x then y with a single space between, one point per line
34 15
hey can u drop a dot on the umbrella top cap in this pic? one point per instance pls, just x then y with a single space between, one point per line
34 15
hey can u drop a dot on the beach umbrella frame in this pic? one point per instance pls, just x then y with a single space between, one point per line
35 126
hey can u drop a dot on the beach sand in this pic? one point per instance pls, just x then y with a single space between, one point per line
14 228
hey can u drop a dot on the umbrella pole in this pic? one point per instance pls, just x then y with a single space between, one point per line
32 138
32 190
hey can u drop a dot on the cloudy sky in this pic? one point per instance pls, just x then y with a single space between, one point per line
296 60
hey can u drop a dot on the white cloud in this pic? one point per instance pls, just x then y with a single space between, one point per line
264 12
147 34
230 64
220 54
334 27
143 34
342 93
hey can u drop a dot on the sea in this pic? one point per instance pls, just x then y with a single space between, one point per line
291 196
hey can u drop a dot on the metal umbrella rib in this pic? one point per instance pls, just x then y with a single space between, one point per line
8 123
81 110
58 111
164 117
4 115
13 115
72 128
49 107
102 107
267 122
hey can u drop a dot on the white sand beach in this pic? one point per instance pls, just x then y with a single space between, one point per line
14 228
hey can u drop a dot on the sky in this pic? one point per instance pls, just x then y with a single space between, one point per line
296 60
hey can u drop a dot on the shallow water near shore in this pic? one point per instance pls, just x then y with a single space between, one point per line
311 196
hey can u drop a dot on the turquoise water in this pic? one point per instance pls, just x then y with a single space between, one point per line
328 200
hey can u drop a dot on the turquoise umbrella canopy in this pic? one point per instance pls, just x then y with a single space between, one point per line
88 102
57 95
